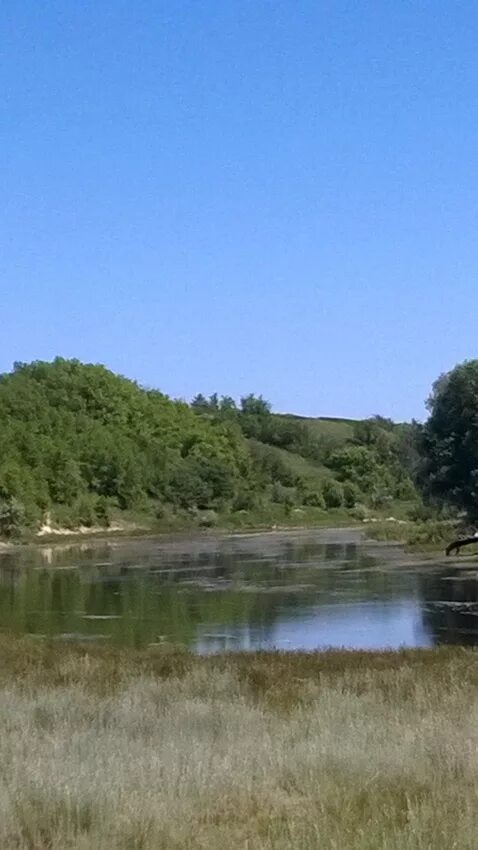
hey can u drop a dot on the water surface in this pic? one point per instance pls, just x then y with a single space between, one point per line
295 590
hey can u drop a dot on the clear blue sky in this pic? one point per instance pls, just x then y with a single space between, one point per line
278 196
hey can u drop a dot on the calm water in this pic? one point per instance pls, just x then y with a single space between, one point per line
290 591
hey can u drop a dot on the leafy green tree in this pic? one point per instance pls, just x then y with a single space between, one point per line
284 495
358 465
352 494
12 517
85 511
253 405
313 498
65 480
103 512
73 433
333 494
449 440
228 407
200 403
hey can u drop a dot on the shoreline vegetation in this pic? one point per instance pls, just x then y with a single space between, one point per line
142 526
414 537
88 453
83 448
163 750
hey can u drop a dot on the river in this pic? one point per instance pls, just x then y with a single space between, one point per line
285 590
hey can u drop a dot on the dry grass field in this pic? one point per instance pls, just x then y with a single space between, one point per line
113 750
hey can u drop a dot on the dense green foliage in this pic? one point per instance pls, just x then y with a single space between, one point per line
372 465
79 441
449 441
81 444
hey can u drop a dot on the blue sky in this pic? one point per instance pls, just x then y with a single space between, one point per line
278 196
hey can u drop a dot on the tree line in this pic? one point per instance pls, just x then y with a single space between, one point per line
80 444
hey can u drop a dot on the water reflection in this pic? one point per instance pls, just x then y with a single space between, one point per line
450 606
307 590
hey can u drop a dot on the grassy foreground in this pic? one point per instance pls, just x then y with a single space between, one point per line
114 750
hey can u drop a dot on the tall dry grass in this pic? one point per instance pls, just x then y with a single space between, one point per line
156 751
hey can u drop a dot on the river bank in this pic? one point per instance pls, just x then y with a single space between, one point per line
398 549
142 525
421 537
162 750
403 547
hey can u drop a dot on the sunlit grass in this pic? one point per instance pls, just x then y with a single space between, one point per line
431 534
160 750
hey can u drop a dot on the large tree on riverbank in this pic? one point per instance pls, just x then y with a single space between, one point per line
450 440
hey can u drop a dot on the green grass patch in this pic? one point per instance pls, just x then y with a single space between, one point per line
337 429
432 534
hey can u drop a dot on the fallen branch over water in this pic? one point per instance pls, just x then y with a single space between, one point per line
458 544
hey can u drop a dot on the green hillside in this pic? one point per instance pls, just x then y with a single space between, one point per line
81 445
338 430
300 466
323 462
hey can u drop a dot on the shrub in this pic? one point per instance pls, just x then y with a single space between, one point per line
380 497
313 499
102 511
85 511
12 517
360 512
333 494
208 519
351 494
432 532
247 499
421 513
283 495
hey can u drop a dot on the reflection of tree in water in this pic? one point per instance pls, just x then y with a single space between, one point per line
449 602
140 593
